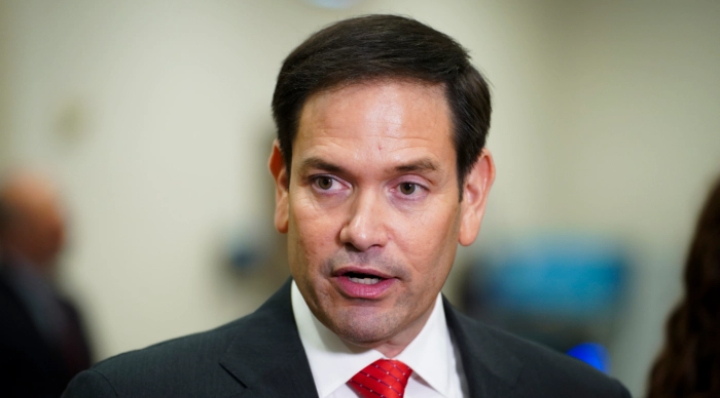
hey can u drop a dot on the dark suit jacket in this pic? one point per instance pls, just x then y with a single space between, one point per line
261 355
30 367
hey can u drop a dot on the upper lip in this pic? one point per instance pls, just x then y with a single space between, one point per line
361 270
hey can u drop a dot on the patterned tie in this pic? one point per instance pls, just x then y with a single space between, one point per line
384 378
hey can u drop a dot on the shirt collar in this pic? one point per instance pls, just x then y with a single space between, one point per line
333 362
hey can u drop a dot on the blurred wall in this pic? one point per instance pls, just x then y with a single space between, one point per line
155 118
636 127
4 90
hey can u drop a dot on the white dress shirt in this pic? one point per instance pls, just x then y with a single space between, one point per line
434 359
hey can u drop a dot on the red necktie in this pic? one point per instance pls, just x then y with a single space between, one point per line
384 378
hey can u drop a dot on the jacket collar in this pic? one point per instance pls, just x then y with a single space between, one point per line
266 355
490 369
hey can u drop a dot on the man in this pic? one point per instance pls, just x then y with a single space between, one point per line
380 171
42 344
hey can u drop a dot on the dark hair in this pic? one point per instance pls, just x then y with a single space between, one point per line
689 363
377 47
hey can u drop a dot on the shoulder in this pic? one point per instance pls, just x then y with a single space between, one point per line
530 369
204 346
556 373
186 366
200 365
171 368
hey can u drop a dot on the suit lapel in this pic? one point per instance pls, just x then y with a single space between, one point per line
490 369
267 356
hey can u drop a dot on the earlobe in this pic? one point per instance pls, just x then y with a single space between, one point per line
276 164
475 192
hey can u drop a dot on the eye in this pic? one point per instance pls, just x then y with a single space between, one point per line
324 182
407 188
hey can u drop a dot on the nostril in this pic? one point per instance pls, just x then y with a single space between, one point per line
352 248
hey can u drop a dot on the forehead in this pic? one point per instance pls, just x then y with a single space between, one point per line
377 121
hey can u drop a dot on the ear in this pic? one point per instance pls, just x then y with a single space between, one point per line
475 192
276 164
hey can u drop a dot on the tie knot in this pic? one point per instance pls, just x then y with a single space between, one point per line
384 378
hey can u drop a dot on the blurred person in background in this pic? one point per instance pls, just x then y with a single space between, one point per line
380 172
689 363
42 344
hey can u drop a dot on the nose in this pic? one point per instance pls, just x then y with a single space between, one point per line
366 224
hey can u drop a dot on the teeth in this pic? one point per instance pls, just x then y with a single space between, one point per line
365 281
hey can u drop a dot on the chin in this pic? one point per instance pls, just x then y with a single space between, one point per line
363 329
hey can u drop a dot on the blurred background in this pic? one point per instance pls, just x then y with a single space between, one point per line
153 117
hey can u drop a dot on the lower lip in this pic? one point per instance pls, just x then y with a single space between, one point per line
358 290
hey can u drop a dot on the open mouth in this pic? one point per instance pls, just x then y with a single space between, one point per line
365 279
359 282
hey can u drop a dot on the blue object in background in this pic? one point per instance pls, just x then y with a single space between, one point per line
593 354
560 275
557 288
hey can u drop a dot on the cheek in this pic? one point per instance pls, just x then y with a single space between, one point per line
428 242
313 235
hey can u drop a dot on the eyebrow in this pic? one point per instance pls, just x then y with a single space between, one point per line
424 164
317 163
420 165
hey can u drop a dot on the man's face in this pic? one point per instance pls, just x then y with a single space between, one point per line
372 209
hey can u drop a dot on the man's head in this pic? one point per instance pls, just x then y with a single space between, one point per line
385 47
369 165
31 219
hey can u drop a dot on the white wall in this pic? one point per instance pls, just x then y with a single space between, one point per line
638 115
4 93
155 118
